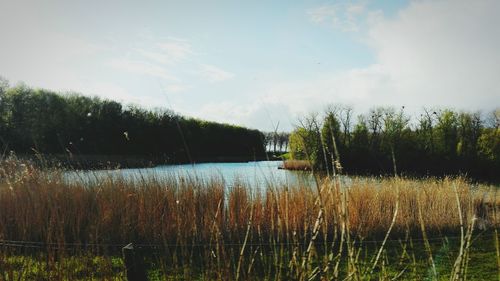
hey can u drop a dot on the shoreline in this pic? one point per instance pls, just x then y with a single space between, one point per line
111 162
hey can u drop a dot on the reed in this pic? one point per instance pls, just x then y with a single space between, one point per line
297 165
230 231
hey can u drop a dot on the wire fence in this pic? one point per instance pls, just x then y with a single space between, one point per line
64 245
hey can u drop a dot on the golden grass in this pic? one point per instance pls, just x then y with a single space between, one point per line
297 165
208 222
37 206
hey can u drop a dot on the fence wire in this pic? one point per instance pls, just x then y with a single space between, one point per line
62 246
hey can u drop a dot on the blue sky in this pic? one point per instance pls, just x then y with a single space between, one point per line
257 63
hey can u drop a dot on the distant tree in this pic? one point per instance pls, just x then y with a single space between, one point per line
331 136
48 122
493 119
298 143
375 123
489 144
305 141
469 130
447 134
4 85
442 142
360 137
283 141
425 130
395 123
345 116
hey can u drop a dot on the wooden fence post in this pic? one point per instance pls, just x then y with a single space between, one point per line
134 264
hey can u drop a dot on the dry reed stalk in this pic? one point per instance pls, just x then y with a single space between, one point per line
289 222
297 165
497 248
457 270
497 244
426 240
242 251
386 236
118 212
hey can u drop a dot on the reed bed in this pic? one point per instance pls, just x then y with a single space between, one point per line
297 165
212 230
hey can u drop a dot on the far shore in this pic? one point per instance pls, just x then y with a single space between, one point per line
96 161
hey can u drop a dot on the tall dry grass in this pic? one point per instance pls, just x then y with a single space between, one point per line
297 165
234 230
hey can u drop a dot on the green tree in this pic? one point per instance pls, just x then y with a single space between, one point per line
489 144
304 145
333 141
395 123
447 134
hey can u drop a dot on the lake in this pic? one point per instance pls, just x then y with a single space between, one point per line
255 174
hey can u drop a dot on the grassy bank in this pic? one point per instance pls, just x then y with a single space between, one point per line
402 260
209 229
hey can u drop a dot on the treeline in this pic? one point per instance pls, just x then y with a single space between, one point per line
42 121
276 142
387 141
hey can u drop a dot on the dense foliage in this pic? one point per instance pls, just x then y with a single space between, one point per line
387 141
50 123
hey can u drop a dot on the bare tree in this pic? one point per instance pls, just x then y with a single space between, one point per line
493 119
426 126
345 119
283 141
4 84
275 137
374 122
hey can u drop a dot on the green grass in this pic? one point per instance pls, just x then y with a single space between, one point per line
482 264
286 156
80 267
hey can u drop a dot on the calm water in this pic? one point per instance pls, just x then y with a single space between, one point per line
256 174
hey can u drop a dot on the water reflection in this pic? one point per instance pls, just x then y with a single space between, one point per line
257 174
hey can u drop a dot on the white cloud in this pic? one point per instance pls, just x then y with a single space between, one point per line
440 53
164 58
167 51
155 56
141 67
214 74
432 53
263 115
176 48
176 88
342 16
158 59
110 91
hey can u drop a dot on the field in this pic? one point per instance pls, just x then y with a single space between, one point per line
189 228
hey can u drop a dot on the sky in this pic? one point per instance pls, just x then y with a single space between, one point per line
258 64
